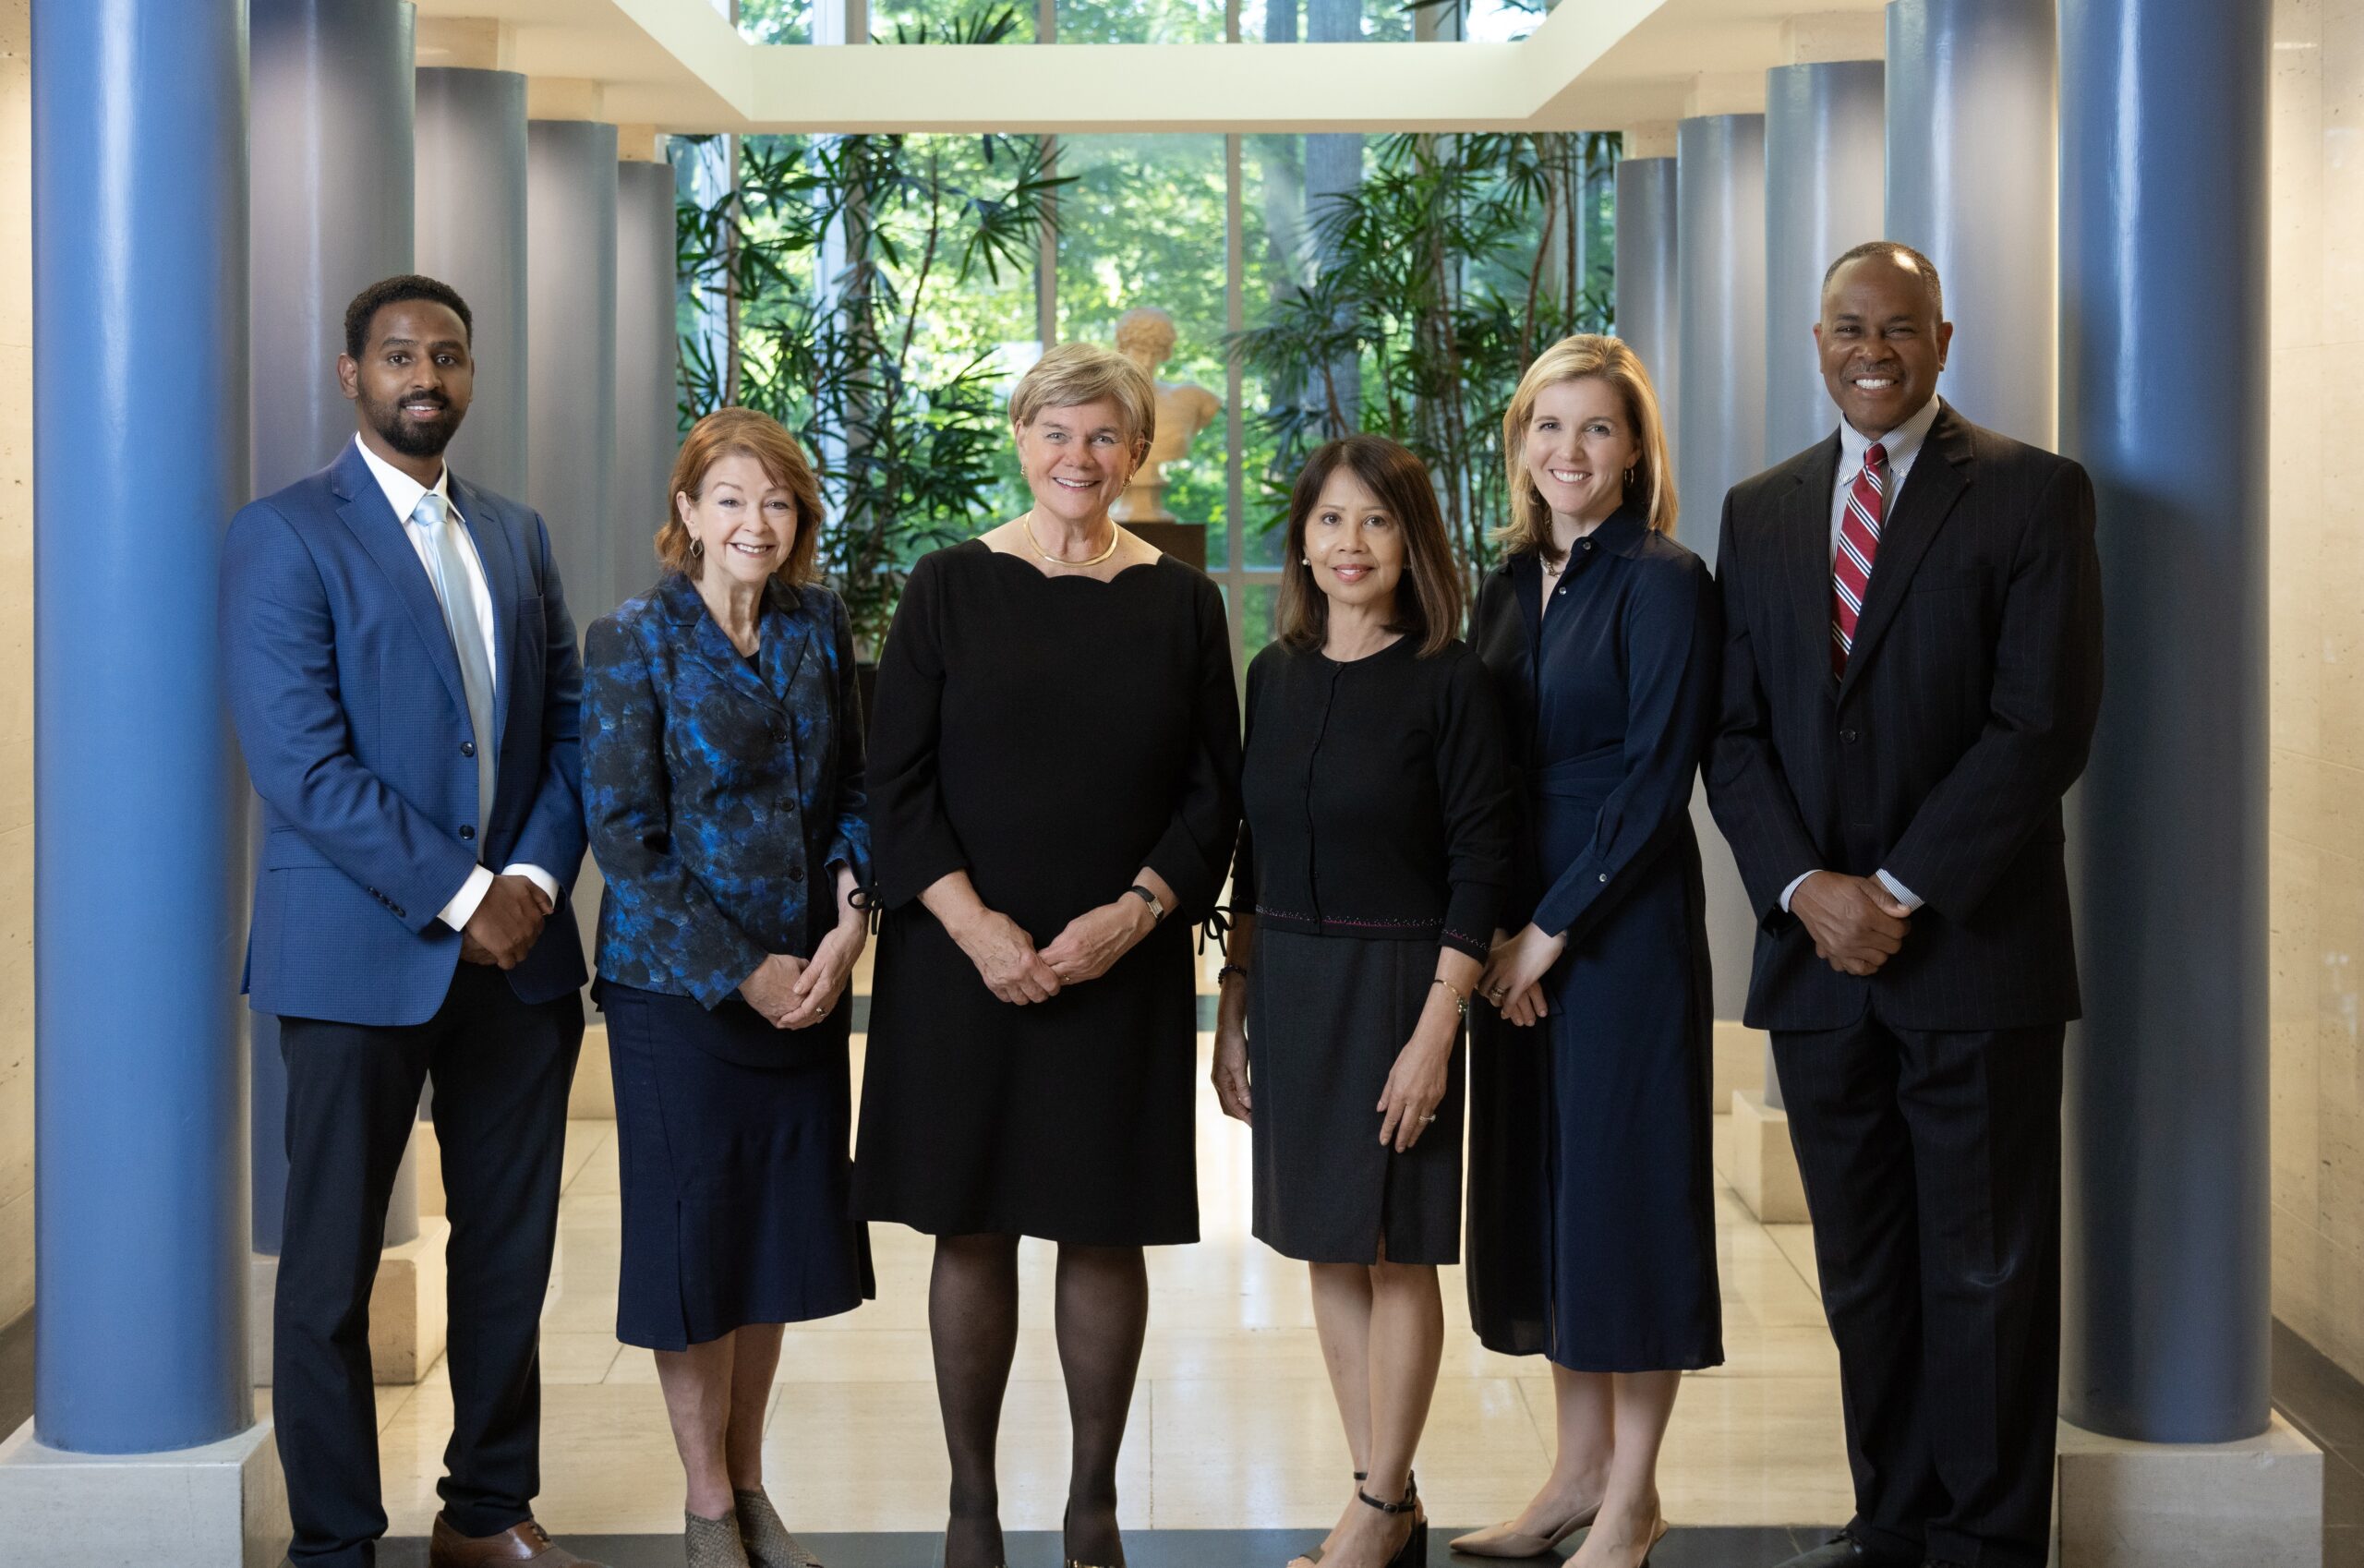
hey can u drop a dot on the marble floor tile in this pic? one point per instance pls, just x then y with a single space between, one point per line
1233 1424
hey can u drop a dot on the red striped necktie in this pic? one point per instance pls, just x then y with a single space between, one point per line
1859 545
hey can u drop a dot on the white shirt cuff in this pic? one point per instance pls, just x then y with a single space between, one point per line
463 907
1897 891
538 877
1792 887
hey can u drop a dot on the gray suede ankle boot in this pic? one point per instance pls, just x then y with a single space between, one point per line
768 1543
713 1543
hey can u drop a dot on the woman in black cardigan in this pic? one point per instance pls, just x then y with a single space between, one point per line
1374 854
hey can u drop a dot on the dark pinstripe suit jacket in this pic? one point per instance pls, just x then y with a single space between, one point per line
1965 713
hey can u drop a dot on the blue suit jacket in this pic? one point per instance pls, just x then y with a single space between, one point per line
722 797
348 700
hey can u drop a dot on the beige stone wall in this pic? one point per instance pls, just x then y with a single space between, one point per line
16 664
2316 596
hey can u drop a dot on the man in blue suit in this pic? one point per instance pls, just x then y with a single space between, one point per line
404 679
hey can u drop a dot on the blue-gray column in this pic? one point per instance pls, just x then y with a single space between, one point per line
471 170
570 402
1720 248
1648 314
331 213
140 457
1824 160
2164 398
1972 147
570 334
646 397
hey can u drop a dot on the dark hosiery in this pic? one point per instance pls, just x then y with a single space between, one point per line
1102 1312
972 1323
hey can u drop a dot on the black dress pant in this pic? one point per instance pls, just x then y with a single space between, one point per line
1932 1168
502 1069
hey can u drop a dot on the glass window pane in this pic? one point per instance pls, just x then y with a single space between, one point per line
1143 225
1261 601
776 21
950 21
1292 21
1141 22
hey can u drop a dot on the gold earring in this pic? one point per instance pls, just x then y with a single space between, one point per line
697 546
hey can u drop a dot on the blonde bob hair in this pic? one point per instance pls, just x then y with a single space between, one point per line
1076 373
1649 483
758 436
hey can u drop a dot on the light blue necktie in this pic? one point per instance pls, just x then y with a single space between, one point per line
468 641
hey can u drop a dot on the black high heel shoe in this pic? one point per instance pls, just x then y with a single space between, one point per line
1065 1515
1414 1552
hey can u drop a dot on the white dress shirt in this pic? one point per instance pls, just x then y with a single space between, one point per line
1901 446
403 494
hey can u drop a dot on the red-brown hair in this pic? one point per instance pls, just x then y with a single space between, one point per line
758 436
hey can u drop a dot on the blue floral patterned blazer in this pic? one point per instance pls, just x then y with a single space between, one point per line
722 796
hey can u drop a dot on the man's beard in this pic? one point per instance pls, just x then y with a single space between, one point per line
412 440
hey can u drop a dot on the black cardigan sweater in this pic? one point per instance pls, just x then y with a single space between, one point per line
1377 797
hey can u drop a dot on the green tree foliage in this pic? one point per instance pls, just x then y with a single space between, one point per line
1437 280
855 264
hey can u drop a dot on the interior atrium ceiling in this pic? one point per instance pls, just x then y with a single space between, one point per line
1591 65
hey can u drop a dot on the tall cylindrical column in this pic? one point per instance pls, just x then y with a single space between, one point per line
470 144
1823 162
1649 315
1973 153
1720 250
571 407
570 349
646 413
140 457
331 150
2164 398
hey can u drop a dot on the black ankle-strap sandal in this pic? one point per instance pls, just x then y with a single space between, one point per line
1415 1549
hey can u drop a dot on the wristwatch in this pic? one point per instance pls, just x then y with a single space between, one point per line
1156 909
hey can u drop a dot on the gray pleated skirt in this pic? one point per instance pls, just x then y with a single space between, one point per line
1326 1016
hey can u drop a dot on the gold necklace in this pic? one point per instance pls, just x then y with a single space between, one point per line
1115 538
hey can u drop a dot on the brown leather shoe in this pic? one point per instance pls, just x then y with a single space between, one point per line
528 1542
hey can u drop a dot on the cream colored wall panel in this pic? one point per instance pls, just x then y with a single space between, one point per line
2292 1093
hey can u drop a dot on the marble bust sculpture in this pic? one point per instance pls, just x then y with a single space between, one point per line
1145 336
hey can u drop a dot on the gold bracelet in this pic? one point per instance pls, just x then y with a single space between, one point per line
1460 997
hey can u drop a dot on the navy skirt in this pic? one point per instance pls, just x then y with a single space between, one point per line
736 1175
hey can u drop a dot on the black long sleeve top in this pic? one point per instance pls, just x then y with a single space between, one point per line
1376 795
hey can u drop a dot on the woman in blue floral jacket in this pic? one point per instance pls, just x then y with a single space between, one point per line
723 781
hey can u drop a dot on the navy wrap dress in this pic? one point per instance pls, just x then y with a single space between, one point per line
1591 1232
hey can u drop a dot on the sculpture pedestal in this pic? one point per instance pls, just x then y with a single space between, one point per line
408 1310
1765 1165
1186 542
1739 1064
592 1096
224 1505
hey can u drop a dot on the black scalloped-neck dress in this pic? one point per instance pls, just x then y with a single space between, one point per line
1051 736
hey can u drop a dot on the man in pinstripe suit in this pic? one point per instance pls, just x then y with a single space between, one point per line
1911 672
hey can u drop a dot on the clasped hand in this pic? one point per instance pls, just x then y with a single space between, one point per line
1515 970
506 923
1856 923
793 992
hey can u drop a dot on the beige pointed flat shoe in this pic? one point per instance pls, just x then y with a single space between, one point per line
1501 1541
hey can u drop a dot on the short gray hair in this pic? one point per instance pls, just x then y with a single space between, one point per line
1086 372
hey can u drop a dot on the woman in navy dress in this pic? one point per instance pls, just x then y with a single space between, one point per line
1592 1236
723 783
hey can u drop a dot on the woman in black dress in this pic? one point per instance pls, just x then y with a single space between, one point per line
1592 1236
1373 859
722 785
1054 796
